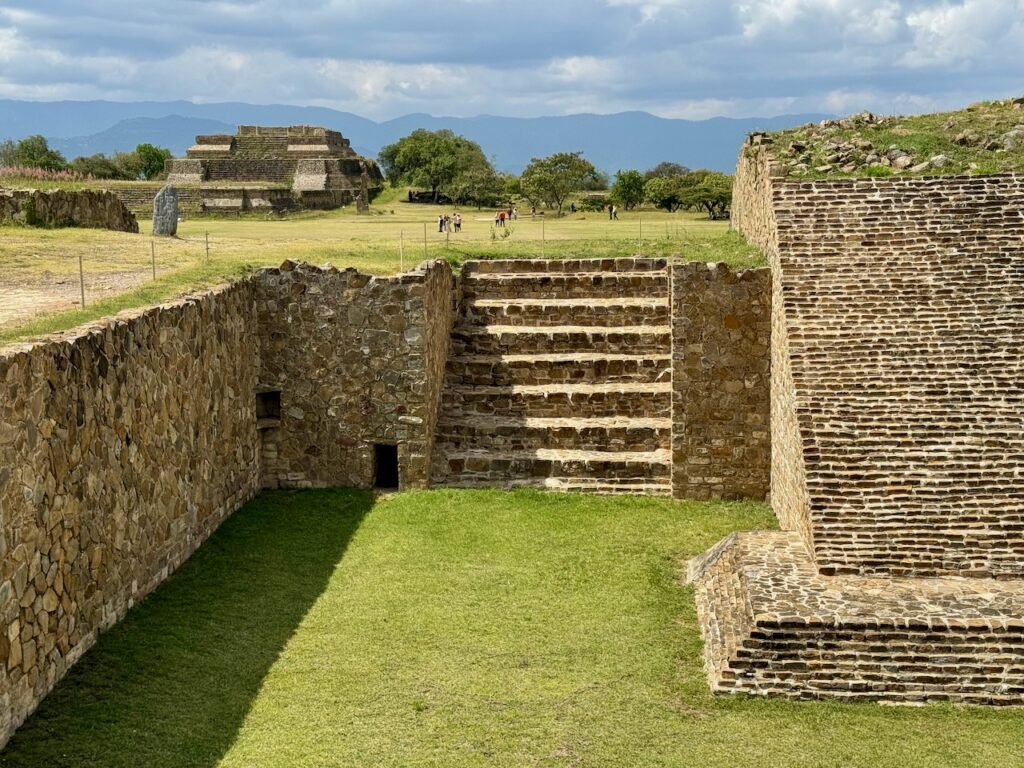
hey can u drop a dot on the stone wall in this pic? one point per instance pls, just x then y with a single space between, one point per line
903 309
751 213
898 447
720 374
63 208
123 445
358 361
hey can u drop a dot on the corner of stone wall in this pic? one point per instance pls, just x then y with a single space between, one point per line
358 361
721 329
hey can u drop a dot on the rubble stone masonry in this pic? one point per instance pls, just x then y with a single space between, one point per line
122 447
359 361
721 445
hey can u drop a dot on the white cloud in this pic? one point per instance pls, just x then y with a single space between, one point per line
954 35
685 58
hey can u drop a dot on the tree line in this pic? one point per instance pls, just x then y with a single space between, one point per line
454 168
146 161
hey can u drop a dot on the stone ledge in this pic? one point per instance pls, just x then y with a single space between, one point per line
773 625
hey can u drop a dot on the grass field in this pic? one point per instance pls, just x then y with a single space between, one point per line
39 268
456 628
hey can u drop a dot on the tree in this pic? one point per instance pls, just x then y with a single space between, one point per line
129 165
8 153
551 179
665 169
35 152
433 159
712 193
152 159
98 166
665 192
628 189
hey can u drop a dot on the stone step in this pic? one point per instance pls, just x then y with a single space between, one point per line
562 286
567 368
499 467
571 484
608 312
571 266
644 400
504 434
499 339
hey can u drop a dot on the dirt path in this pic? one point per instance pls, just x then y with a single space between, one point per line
20 303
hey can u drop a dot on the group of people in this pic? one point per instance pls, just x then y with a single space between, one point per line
449 223
502 216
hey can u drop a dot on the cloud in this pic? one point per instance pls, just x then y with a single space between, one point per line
461 57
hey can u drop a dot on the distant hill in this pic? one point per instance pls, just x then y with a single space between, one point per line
624 140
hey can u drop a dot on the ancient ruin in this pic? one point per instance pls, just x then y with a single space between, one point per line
66 208
263 167
897 437
872 378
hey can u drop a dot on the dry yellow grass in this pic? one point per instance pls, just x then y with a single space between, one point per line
39 268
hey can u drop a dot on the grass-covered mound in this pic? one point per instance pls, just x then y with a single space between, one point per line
455 628
987 137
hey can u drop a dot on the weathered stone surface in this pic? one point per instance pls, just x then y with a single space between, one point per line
359 361
63 208
897 445
721 447
319 164
165 211
122 446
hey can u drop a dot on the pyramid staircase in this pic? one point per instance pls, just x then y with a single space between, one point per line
559 376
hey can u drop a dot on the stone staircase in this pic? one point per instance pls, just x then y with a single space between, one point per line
559 376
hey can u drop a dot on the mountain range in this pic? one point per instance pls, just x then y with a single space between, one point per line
612 142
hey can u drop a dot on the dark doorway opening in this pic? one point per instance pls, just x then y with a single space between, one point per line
268 404
385 475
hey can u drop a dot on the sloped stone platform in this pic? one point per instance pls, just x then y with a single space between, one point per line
773 625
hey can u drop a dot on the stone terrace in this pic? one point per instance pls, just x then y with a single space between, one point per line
898 447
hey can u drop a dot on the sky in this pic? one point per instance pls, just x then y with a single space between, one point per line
385 58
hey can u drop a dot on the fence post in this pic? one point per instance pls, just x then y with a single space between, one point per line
425 256
401 251
81 278
152 253
207 246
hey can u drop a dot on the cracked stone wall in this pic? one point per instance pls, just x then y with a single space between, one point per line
123 445
721 446
359 361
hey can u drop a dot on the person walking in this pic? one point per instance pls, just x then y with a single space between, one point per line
501 219
615 213
440 222
458 222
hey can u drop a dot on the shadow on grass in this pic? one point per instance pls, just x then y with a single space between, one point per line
172 683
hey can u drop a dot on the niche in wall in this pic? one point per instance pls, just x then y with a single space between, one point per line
385 466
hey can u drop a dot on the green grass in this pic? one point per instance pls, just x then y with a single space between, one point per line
397 235
455 628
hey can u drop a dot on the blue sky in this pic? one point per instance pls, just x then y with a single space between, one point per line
381 59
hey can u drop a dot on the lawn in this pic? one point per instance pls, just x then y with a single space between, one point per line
455 628
39 268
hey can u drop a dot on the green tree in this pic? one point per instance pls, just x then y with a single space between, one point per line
129 165
628 189
35 152
665 169
433 159
665 192
551 179
8 153
712 193
152 159
99 166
